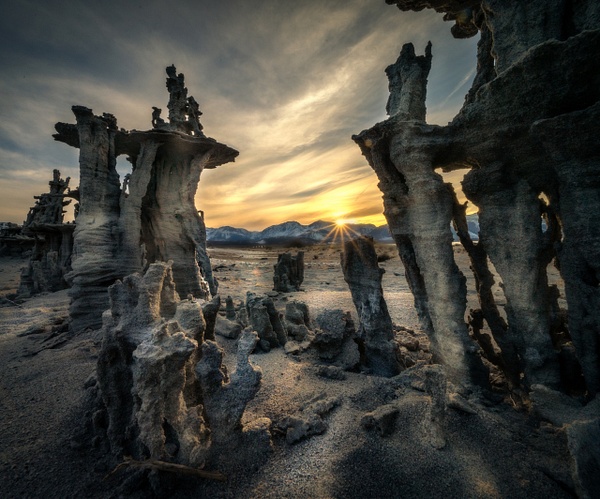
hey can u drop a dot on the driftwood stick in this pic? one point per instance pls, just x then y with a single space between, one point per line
155 464
11 302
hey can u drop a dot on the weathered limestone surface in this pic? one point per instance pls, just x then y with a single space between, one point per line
335 339
518 257
142 372
581 425
164 392
408 84
576 162
297 320
396 207
50 259
225 399
363 275
152 215
528 134
264 318
94 266
527 128
418 207
288 272
506 357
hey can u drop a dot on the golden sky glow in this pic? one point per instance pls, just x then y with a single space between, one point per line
285 83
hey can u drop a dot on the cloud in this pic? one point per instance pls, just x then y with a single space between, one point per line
285 83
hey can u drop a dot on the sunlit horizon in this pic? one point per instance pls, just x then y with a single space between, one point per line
288 98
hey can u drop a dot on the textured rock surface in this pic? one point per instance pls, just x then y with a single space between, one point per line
226 328
583 437
50 259
297 320
335 339
151 215
382 419
536 95
94 264
408 84
164 391
225 399
210 310
264 318
288 272
309 420
142 370
582 427
363 275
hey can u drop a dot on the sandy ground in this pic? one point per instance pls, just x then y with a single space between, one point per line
495 451
324 286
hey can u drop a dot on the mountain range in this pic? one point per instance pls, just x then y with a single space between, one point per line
317 232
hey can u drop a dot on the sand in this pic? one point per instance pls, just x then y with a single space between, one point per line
495 451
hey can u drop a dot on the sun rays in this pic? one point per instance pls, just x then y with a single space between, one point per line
340 232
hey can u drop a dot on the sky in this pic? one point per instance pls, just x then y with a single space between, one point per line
286 83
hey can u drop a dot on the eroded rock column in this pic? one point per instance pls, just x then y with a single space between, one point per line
50 259
170 220
363 275
95 263
408 84
511 232
577 165
288 272
418 207
430 216
165 394
152 216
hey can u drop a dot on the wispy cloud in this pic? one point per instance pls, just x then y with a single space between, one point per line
286 83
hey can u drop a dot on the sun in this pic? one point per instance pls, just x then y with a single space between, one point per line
341 231
342 222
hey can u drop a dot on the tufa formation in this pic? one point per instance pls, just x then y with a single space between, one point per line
150 216
50 261
527 136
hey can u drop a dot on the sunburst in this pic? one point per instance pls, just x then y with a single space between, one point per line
340 231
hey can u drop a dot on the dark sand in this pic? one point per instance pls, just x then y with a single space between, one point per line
495 452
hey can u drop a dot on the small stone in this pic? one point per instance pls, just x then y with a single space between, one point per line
331 372
292 348
227 329
383 419
458 403
409 342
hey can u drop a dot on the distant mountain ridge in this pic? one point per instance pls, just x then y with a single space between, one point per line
320 231
316 232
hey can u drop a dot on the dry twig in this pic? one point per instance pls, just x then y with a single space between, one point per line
155 464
